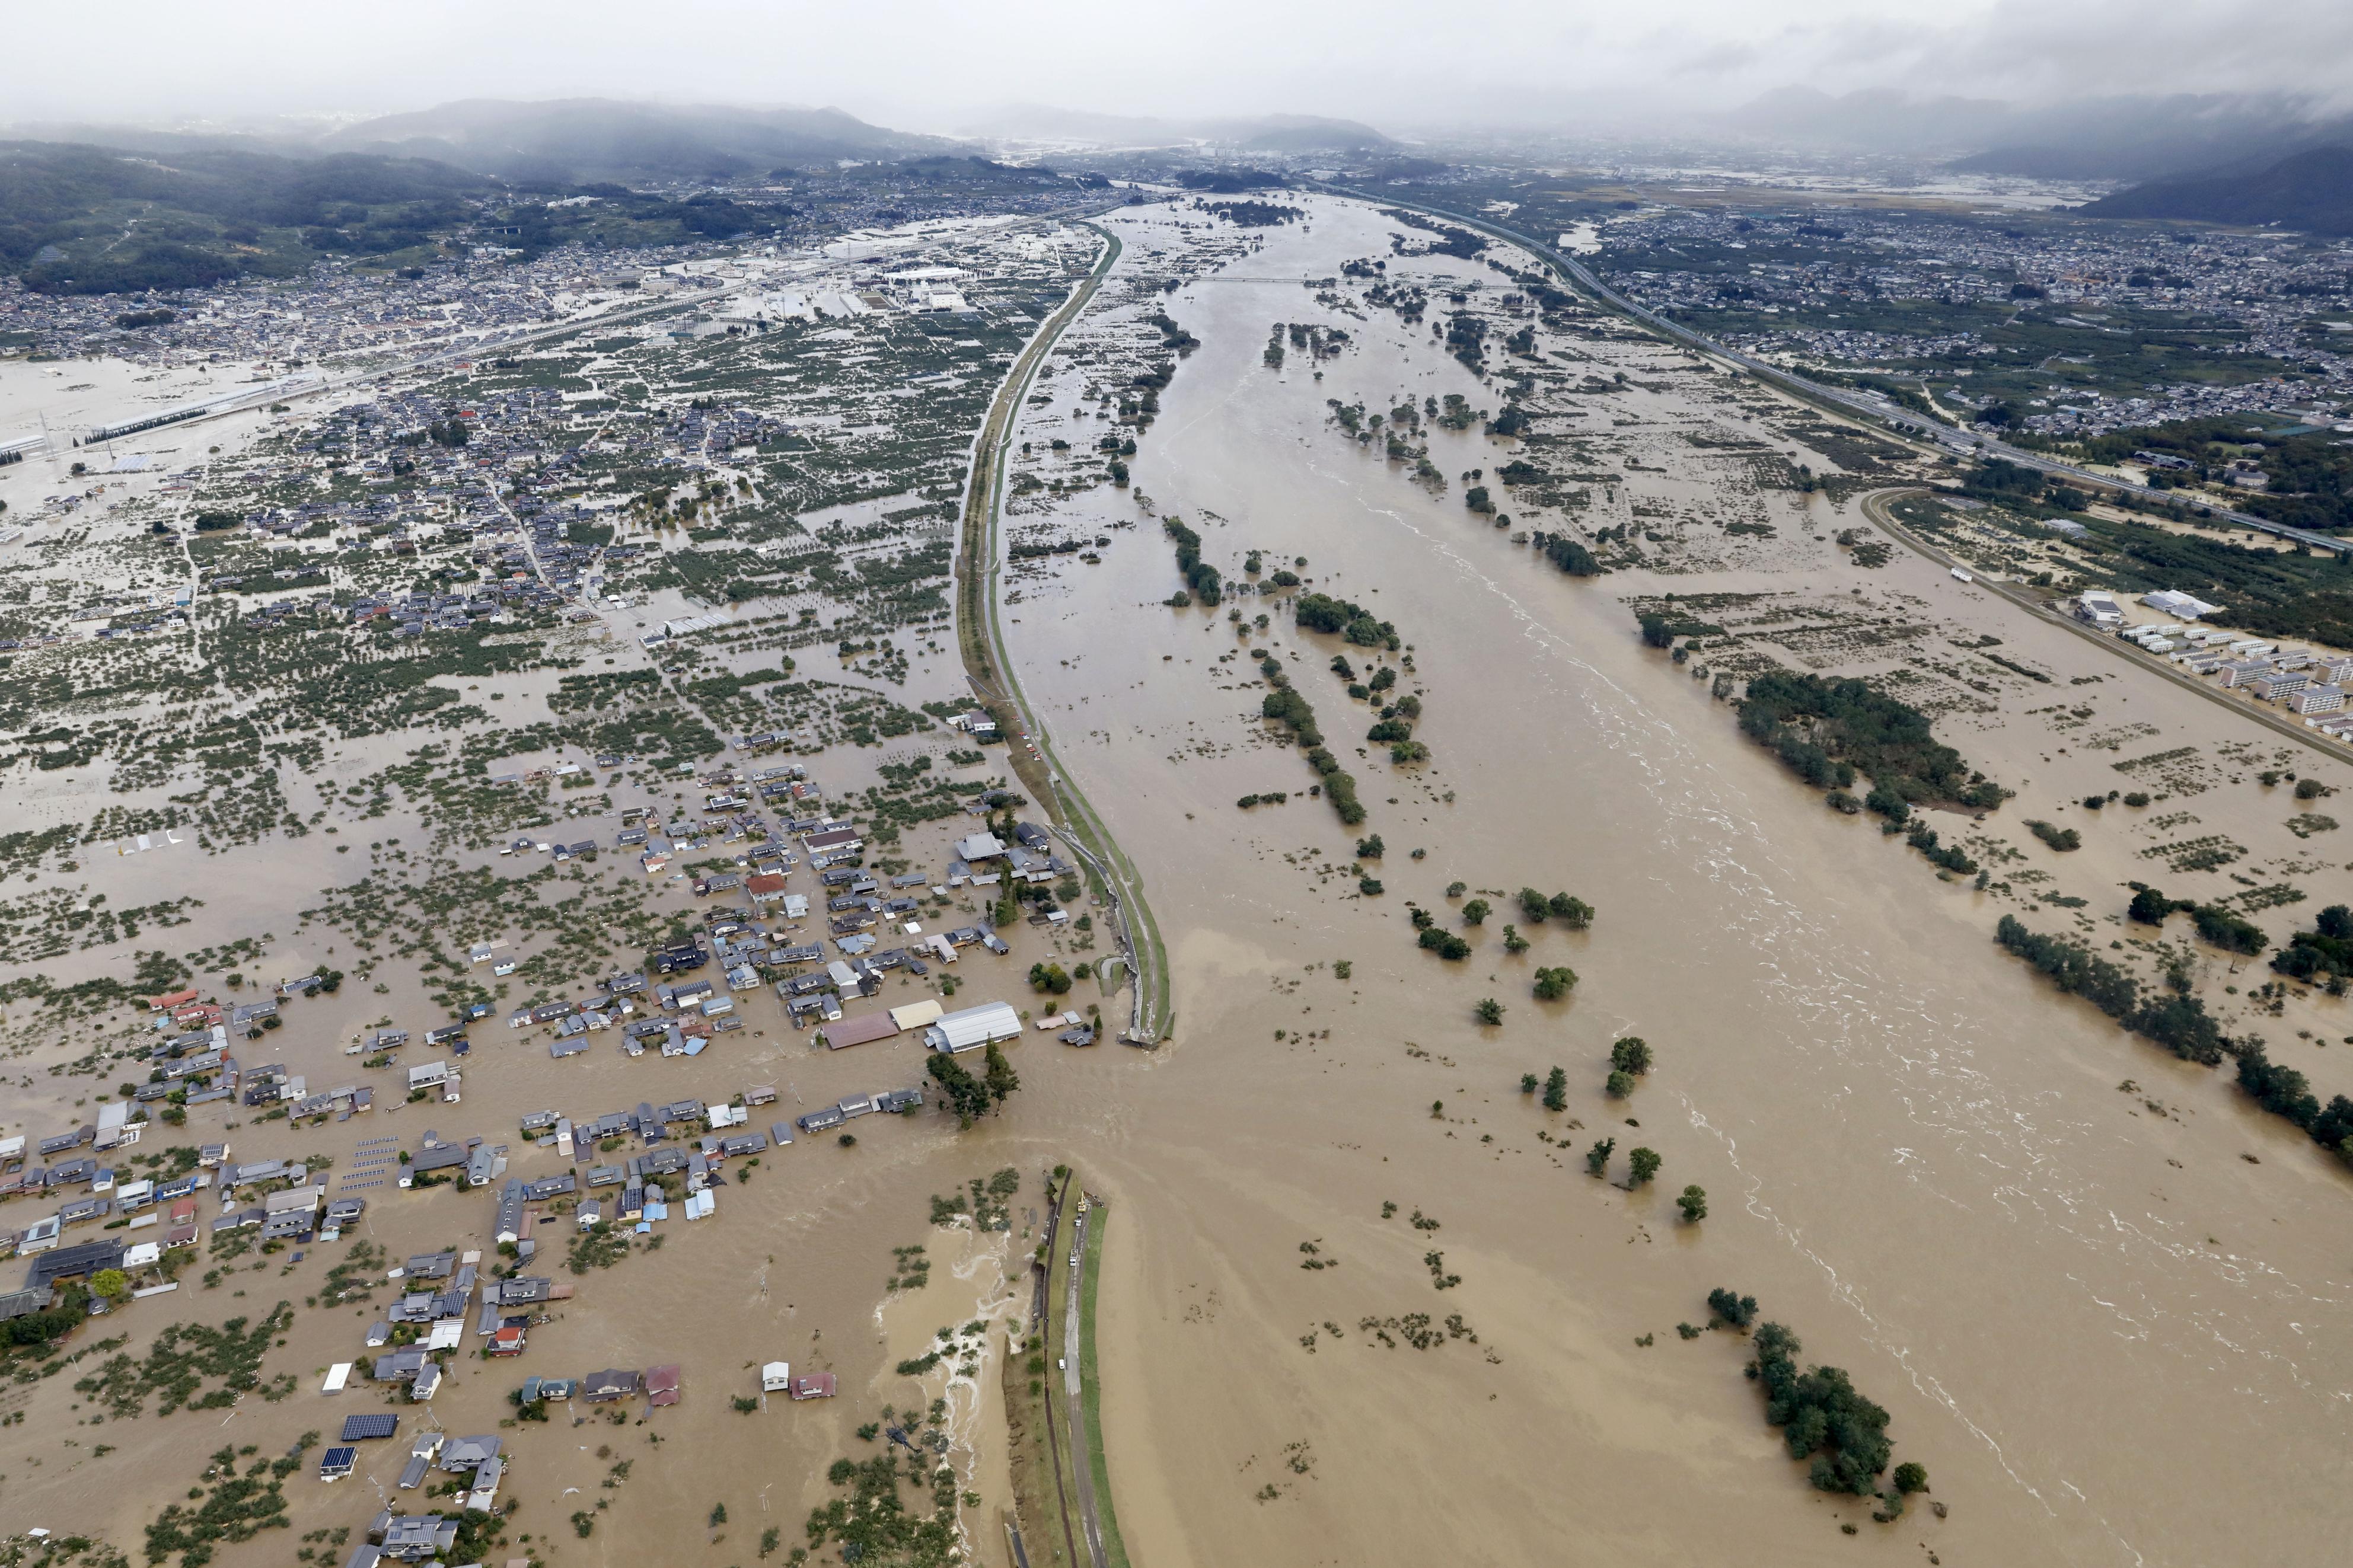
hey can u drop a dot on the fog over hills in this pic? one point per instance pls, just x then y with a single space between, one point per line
573 139
1304 133
2117 137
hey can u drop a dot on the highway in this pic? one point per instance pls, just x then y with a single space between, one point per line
1866 405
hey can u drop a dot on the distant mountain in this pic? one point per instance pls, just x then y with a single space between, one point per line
1301 134
165 143
1881 120
1306 134
2147 138
86 220
570 141
2311 190
2122 137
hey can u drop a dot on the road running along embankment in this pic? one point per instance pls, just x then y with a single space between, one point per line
980 638
1874 507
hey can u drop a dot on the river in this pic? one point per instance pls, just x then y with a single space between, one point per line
2110 1337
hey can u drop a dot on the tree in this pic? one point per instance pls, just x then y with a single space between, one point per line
1630 1054
1911 1478
1619 1085
1693 1203
2149 907
1489 1010
1370 849
1534 906
111 1284
1738 1310
1645 1165
1556 1094
1527 1083
1821 1413
1514 943
1597 1159
1574 913
1445 943
966 1095
998 1076
1476 912
1552 984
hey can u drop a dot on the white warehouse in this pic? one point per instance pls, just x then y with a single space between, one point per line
973 1028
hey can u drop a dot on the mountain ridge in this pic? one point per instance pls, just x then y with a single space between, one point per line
587 139
2311 190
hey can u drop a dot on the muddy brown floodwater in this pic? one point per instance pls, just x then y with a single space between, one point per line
2110 1339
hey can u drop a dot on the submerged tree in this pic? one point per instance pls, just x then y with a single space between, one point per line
998 1076
1738 1310
964 1094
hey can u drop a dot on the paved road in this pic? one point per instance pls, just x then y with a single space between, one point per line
1053 1433
1071 1389
1866 406
980 637
1874 507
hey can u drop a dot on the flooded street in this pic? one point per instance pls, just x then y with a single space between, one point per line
1916 1157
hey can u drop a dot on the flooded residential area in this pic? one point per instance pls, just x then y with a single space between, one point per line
1174 871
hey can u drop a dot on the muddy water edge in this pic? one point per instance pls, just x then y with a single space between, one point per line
2107 1339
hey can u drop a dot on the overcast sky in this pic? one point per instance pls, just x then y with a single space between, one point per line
922 64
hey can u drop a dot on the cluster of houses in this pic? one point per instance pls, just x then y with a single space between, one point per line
637 1167
155 1215
434 1313
748 942
2311 685
413 1537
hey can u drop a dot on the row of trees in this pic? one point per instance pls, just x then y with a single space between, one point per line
1200 575
2180 1021
1286 706
2176 1021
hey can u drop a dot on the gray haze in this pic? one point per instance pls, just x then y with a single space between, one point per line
927 65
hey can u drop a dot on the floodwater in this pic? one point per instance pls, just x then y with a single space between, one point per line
1916 1157
2109 1336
